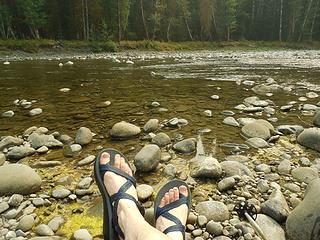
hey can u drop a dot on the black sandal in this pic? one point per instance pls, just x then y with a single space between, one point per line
110 203
164 211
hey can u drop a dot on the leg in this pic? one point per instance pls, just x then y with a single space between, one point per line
130 219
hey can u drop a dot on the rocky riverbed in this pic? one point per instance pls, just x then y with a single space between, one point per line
261 146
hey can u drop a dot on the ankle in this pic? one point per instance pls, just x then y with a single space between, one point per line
175 236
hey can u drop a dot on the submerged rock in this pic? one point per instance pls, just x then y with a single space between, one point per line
8 114
256 130
36 141
35 111
28 181
124 130
161 139
185 146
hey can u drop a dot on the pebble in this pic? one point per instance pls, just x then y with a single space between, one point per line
15 200
214 228
82 234
44 230
8 114
26 223
144 191
60 193
86 161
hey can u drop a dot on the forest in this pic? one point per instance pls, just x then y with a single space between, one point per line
161 20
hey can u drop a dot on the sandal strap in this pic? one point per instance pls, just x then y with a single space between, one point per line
161 210
107 167
176 228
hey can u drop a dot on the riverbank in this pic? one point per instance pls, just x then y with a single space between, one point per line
9 47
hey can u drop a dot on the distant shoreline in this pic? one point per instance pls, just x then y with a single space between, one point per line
30 47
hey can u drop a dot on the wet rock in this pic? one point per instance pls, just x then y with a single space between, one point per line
85 183
312 95
8 114
304 162
26 223
144 192
253 109
303 221
206 167
276 206
38 202
2 158
64 90
309 107
55 223
232 168
256 130
263 89
66 139
316 119
231 121
170 170
36 141
61 193
82 234
257 143
124 130
260 103
72 150
27 182
83 136
17 153
250 100
213 210
246 121
310 138
215 97
86 161
161 139
15 200
304 174
42 150
4 206
46 164
35 111
44 230
226 184
185 146
286 108
270 227
208 113
165 157
9 142
290 129
148 158
266 124
151 126
214 228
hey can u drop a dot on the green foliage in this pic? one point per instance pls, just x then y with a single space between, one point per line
108 46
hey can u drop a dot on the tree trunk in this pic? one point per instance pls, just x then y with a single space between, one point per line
144 20
168 30
83 20
87 21
228 33
119 20
305 20
280 27
314 20
188 28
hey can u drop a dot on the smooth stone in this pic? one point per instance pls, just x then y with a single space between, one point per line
38 202
286 108
213 210
246 121
316 119
124 130
44 230
35 111
266 124
206 167
170 170
185 146
66 139
144 191
28 181
290 129
312 95
260 103
226 184
309 107
237 158
42 150
276 206
270 227
26 223
148 158
36 141
2 158
263 168
46 164
231 122
214 228
303 221
304 174
17 153
284 167
208 113
257 143
151 126
15 200
10 142
72 150
83 136
86 161
4 206
310 138
256 130
64 90
215 97
253 109
82 234
61 193
250 100
55 223
85 183
222 238
263 186
292 187
8 114
233 168
202 221
161 139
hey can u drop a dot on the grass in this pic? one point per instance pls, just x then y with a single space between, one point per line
34 46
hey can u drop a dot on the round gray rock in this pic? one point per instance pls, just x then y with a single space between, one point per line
148 158
310 138
44 230
28 181
82 234
161 139
256 130
151 126
213 210
26 223
185 146
144 191
83 136
304 174
124 130
232 168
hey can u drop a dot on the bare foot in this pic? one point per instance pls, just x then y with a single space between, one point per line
180 212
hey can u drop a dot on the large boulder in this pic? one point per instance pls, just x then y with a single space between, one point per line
304 174
18 178
83 136
213 210
256 130
316 120
148 158
124 130
310 138
271 229
36 141
232 168
9 142
207 167
304 221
